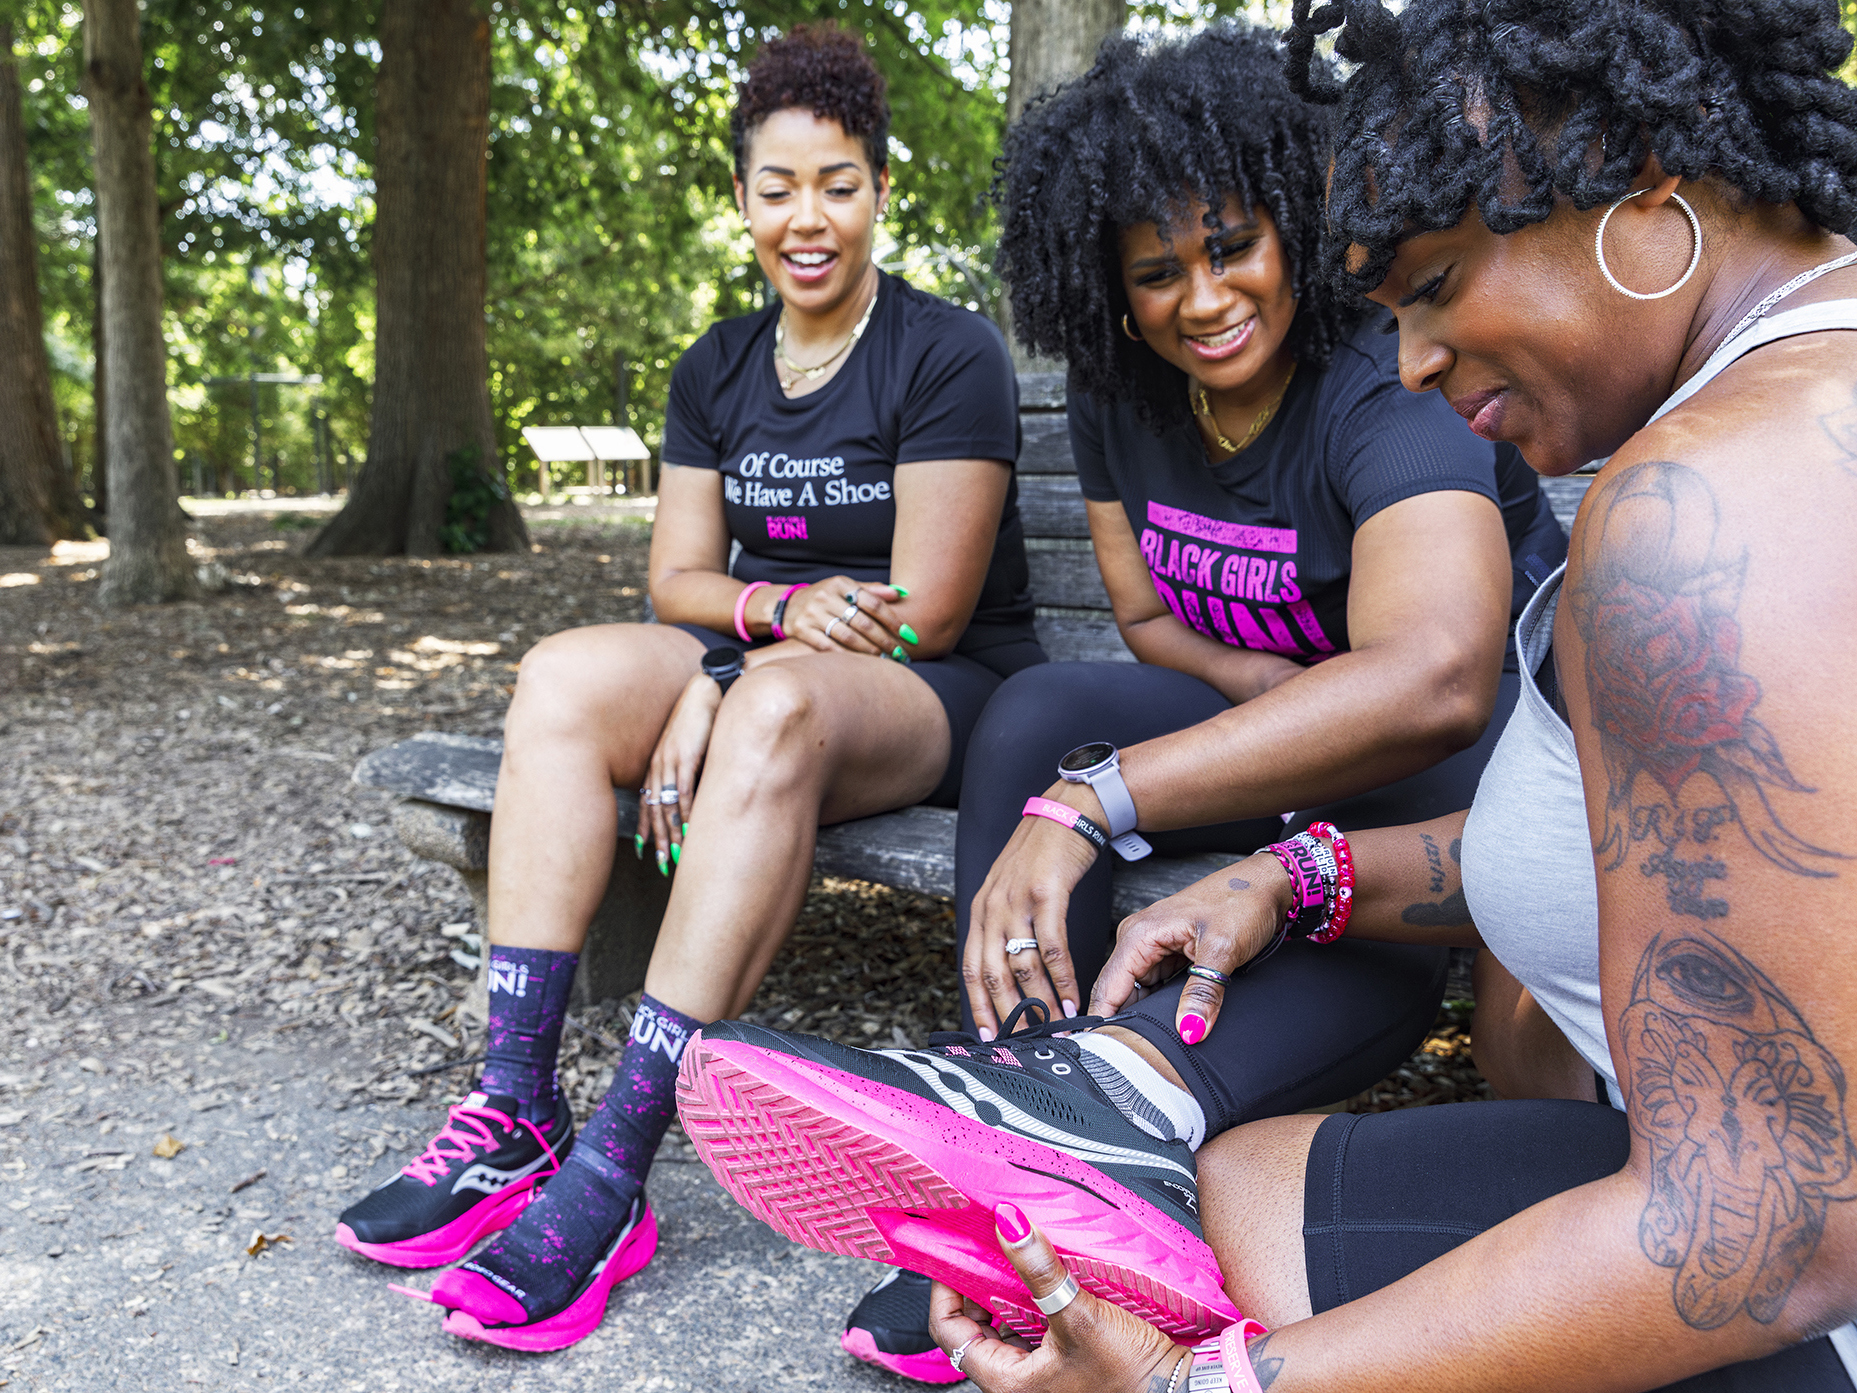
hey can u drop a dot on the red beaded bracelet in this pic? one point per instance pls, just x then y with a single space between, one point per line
1335 923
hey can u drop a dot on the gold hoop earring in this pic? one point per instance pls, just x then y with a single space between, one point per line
1695 256
1129 329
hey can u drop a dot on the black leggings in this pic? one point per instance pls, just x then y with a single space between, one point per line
1310 1026
1386 1193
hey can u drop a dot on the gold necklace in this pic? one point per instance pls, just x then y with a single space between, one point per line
1204 408
817 370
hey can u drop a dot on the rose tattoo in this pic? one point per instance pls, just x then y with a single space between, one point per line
1656 606
1743 1112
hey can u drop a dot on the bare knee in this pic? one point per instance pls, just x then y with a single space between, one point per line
1251 1205
770 709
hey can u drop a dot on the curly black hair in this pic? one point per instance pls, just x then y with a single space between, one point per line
819 68
1155 120
1514 104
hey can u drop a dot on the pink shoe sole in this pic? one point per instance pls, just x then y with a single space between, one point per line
848 1166
931 1366
582 1316
454 1240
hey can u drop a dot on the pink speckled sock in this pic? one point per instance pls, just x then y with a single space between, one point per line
545 1255
528 1006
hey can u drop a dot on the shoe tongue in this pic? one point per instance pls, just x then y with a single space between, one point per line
496 1102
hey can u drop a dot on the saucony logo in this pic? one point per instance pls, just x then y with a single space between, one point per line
1011 1115
489 1179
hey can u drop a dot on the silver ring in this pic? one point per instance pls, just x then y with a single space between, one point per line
828 627
1019 945
851 612
958 1355
648 797
1059 1299
851 597
668 795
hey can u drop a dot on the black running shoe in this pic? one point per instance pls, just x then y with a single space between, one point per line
902 1155
475 1177
889 1328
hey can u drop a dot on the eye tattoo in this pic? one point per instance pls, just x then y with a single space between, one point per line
1743 1112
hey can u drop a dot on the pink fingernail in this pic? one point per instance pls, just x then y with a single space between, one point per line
1070 1010
985 1034
1192 1028
1012 1223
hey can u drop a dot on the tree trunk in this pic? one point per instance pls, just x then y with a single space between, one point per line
148 535
38 497
431 365
99 383
1054 41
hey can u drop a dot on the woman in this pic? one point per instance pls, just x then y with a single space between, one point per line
1315 569
857 440
1650 264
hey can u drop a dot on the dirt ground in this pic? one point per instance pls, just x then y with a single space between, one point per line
202 919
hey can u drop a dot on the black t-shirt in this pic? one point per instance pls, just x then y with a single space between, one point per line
807 481
1257 549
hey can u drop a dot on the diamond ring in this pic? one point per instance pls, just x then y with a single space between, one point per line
1020 945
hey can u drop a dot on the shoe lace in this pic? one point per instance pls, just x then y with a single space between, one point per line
467 1131
1013 1032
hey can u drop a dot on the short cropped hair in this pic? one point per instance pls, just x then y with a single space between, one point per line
819 68
1157 121
1513 104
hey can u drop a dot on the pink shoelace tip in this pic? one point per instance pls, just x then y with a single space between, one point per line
466 1132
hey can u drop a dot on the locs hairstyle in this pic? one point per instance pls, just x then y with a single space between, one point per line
1512 104
1154 123
822 69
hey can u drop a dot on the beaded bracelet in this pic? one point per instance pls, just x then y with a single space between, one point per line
1341 908
741 608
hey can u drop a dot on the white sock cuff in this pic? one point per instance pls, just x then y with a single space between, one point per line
1181 1107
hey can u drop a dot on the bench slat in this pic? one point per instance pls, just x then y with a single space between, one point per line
912 848
1052 506
1564 496
1064 573
1080 636
1044 445
1041 391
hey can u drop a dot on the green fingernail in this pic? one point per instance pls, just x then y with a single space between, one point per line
638 847
664 864
677 853
901 593
909 634
686 829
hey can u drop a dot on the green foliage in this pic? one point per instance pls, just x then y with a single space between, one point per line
474 492
612 229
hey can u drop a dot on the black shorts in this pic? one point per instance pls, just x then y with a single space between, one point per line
962 684
1385 1193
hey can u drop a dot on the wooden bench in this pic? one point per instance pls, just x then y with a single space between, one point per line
447 783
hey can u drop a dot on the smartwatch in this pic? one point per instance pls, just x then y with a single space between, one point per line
1100 766
724 663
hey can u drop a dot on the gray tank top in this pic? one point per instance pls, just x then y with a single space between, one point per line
1527 854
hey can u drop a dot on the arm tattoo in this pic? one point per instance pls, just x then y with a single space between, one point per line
1670 701
1265 1366
1453 909
1743 1113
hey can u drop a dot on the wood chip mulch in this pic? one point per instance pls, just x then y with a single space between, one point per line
184 860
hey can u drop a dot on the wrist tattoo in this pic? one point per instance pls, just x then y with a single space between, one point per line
1265 1366
1449 912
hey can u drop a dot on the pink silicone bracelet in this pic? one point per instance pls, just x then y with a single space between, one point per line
786 595
1240 1377
741 608
1060 813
